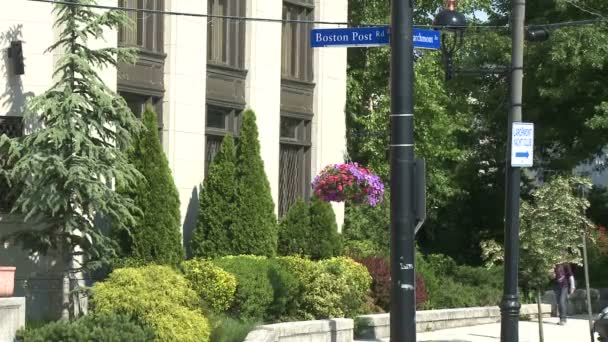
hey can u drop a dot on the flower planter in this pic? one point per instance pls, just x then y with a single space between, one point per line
7 281
348 182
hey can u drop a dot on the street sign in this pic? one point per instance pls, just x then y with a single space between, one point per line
522 144
427 39
345 37
369 36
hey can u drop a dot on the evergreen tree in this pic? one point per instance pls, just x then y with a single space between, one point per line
294 230
157 235
325 241
217 206
66 163
257 224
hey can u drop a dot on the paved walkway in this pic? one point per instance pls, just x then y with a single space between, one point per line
576 330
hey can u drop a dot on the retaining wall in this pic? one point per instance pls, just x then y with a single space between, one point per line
12 317
376 327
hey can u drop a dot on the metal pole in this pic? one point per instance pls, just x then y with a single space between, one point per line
403 291
586 267
509 307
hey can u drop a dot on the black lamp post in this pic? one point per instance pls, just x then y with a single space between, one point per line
453 24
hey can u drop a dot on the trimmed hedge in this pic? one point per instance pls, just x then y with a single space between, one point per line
157 296
215 286
265 291
99 328
294 288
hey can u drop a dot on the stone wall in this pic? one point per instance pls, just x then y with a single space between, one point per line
12 317
375 327
577 302
332 330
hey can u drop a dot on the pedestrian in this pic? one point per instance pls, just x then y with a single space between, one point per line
564 286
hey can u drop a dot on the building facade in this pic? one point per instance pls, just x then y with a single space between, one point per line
200 73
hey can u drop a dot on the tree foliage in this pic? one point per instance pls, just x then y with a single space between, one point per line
157 235
310 230
552 224
256 222
80 127
218 198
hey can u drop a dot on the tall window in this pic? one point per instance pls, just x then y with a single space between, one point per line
226 37
294 159
137 103
145 28
220 121
12 126
296 50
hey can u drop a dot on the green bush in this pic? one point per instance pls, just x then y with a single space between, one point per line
228 329
294 230
256 228
157 296
217 206
450 285
370 225
265 291
157 236
353 282
324 241
100 328
215 286
320 296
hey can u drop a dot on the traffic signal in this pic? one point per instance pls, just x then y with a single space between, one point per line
15 53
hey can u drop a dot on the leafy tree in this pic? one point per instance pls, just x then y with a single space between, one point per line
256 228
324 241
310 230
157 236
76 147
295 230
216 227
552 225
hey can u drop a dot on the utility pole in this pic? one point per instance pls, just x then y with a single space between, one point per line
403 290
509 308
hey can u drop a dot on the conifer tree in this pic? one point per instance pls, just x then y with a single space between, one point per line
157 235
294 230
325 240
256 229
213 236
66 164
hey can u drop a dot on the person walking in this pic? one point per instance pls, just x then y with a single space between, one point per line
564 285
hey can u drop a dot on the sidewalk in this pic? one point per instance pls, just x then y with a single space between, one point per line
576 330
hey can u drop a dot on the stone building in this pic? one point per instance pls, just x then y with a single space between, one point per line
199 73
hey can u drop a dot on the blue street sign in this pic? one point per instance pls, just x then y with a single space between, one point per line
361 36
369 36
427 39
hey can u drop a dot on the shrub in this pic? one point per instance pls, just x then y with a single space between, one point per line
217 205
352 283
157 296
264 291
324 241
361 249
450 285
320 293
228 329
380 272
215 286
294 230
100 328
256 228
371 224
157 234
310 230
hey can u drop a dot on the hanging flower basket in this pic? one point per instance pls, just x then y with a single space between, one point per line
348 182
